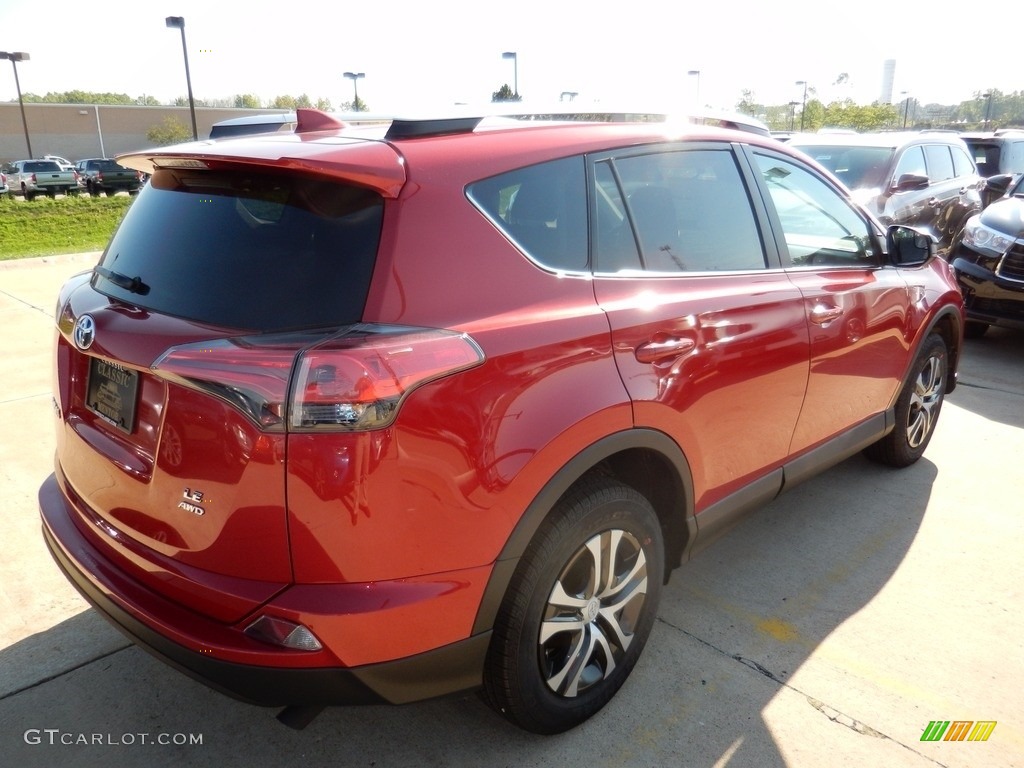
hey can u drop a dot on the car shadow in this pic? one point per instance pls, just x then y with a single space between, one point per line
993 363
735 625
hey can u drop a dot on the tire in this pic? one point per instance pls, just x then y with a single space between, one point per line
974 330
110 192
917 410
93 192
564 607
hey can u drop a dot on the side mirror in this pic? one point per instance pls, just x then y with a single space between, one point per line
908 247
996 186
910 181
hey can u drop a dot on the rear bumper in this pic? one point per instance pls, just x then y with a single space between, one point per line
452 669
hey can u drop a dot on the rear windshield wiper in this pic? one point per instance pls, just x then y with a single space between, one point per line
133 284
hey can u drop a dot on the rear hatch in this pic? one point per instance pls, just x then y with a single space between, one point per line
173 363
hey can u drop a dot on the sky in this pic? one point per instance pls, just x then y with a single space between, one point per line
417 54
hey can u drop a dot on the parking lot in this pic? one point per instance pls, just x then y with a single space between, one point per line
828 629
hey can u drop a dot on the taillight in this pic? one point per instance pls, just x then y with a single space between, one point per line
32 178
350 381
357 381
250 373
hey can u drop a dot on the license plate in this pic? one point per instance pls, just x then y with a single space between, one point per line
111 393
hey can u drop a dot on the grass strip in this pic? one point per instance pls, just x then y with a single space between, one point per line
46 226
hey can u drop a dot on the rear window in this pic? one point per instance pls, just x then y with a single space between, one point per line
246 251
42 166
106 165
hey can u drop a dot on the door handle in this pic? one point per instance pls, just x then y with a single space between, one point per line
655 351
822 315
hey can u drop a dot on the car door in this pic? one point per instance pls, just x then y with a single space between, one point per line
855 307
708 332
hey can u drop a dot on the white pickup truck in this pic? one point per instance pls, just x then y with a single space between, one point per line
32 177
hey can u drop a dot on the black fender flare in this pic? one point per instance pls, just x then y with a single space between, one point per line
537 512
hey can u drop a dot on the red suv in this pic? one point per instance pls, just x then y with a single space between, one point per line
380 414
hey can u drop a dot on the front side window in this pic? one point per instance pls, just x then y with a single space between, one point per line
542 209
912 162
821 228
677 211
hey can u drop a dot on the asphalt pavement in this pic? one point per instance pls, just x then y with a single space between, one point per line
829 629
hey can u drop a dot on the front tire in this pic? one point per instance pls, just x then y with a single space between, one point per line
917 410
579 610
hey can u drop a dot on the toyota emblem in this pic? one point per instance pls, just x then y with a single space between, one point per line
85 332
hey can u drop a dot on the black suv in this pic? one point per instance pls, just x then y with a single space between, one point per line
926 180
989 264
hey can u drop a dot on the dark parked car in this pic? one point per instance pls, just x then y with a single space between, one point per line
381 414
103 175
1001 152
926 180
989 264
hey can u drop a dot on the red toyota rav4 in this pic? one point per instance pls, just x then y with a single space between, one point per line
378 414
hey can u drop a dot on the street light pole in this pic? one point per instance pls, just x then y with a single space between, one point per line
906 107
15 57
803 108
988 108
515 71
696 98
354 77
178 22
792 114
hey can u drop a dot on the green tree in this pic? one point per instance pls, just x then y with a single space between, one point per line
358 105
324 104
170 131
248 101
79 97
505 94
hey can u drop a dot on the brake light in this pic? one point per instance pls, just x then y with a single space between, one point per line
250 373
357 382
32 178
349 381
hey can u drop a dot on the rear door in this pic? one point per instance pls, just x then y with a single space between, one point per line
708 332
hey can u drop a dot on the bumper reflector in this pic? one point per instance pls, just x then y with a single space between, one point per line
283 633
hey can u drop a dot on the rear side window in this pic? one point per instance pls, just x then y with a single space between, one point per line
543 209
963 165
674 211
261 253
940 162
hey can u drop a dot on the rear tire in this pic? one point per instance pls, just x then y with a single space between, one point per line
579 610
917 410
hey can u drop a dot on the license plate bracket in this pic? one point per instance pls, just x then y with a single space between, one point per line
112 392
